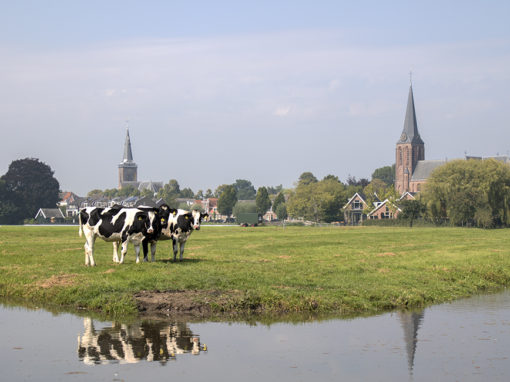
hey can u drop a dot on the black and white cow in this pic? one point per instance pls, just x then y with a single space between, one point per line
115 224
162 225
182 225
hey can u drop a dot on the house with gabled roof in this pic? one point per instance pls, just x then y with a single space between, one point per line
384 210
49 215
353 209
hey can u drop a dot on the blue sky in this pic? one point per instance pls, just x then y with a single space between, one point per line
216 91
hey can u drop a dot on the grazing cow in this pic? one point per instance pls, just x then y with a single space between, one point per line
115 224
183 223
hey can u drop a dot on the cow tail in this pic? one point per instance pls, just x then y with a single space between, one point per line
80 231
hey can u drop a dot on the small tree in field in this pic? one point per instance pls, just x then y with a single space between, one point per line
262 201
227 200
411 210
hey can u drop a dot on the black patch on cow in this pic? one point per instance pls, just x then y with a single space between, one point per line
84 216
184 223
107 229
95 216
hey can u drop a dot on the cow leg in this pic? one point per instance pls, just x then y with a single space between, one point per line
137 252
89 249
115 251
153 251
123 251
174 243
181 250
145 247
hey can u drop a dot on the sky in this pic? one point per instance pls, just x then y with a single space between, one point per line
263 91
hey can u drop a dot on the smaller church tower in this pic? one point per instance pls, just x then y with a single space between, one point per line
128 168
410 148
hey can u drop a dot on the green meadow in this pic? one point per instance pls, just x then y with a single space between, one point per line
336 270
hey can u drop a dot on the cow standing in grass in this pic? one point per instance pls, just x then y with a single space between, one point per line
115 224
182 225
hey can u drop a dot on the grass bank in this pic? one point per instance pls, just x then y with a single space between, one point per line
230 269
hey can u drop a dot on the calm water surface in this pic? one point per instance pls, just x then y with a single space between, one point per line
468 340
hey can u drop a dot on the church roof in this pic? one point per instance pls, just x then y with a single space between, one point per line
128 154
410 132
424 168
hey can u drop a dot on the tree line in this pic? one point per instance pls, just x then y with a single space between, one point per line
461 193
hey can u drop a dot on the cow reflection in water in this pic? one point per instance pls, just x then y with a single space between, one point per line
154 341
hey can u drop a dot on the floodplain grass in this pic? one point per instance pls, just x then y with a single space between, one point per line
341 270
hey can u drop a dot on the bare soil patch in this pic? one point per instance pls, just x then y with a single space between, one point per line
59 280
196 303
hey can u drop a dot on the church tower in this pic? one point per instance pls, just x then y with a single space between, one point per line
410 148
128 168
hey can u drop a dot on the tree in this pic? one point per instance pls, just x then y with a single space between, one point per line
411 210
128 191
317 201
378 190
170 192
244 189
470 192
227 200
262 200
187 193
208 193
352 181
306 178
96 193
280 198
274 190
199 195
8 209
28 185
386 174
281 211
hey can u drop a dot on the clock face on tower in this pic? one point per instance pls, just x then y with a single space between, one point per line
403 137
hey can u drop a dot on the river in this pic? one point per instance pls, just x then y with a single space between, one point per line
466 340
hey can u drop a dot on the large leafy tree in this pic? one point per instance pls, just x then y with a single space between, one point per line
244 189
386 174
262 200
227 200
317 201
470 192
28 185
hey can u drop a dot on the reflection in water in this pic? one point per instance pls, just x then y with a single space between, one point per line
150 341
411 322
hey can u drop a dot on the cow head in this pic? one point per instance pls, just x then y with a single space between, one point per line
164 212
144 221
197 217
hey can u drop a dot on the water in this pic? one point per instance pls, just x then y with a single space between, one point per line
468 340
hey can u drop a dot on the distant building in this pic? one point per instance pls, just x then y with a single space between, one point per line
49 215
410 149
128 170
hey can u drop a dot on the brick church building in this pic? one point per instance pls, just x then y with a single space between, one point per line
411 168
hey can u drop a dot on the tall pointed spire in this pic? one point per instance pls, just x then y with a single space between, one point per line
127 168
410 132
128 154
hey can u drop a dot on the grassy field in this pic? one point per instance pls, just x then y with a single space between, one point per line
296 269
